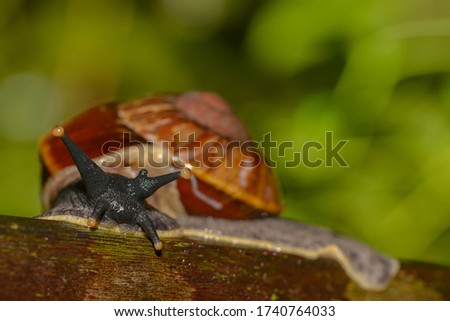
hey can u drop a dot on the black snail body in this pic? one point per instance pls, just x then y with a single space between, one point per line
120 198
104 198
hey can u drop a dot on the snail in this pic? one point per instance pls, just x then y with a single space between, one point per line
207 182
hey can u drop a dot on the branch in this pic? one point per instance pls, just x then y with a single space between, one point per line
50 260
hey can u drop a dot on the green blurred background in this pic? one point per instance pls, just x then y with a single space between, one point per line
374 72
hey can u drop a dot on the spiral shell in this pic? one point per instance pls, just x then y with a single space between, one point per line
199 130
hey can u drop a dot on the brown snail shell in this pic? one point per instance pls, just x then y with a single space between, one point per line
220 193
242 192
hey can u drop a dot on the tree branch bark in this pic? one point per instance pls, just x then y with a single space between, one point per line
48 260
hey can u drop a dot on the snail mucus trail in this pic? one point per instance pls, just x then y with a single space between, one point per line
106 200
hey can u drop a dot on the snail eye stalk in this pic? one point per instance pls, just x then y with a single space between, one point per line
95 180
143 186
121 197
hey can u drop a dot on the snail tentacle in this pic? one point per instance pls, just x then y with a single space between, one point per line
143 220
99 209
95 179
143 186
